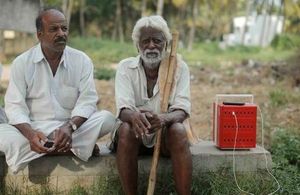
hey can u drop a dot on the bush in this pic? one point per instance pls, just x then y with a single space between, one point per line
278 97
285 41
286 147
104 73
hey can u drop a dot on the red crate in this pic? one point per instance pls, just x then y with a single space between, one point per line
224 134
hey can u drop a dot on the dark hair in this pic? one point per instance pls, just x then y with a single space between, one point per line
38 20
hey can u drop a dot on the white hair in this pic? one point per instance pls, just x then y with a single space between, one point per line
156 22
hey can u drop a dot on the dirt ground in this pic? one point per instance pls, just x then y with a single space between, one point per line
248 77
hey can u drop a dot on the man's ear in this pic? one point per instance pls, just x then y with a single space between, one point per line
137 48
39 34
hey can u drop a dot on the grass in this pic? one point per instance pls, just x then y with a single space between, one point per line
285 151
106 52
103 52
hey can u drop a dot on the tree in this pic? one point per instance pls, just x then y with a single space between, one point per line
248 12
81 17
193 25
118 22
143 8
2 56
67 6
160 7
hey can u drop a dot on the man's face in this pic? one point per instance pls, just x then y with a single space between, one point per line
151 45
54 33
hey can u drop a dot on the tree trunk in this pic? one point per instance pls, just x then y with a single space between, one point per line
269 23
279 13
144 8
42 4
283 4
118 30
160 7
81 17
2 55
67 6
193 27
262 35
248 12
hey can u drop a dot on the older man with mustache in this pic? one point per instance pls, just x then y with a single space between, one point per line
51 99
138 106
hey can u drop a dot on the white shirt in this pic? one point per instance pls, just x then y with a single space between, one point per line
36 97
131 88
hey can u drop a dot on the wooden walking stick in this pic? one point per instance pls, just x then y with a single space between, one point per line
164 108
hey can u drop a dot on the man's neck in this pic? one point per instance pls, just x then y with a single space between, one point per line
53 58
151 73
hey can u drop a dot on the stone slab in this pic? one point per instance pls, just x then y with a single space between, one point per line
61 172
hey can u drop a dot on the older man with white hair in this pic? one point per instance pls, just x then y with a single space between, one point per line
138 106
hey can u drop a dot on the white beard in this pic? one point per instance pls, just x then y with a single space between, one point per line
152 58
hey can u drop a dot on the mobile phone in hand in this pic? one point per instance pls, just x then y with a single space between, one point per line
49 144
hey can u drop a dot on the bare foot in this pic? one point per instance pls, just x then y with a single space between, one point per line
96 151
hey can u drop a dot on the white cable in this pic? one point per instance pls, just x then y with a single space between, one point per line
265 155
233 155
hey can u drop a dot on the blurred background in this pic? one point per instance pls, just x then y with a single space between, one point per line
231 46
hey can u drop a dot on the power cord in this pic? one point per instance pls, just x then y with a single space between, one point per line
233 155
266 160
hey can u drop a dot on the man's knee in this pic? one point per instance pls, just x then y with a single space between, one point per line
176 134
124 133
109 120
11 139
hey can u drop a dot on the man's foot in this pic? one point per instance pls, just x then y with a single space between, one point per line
96 151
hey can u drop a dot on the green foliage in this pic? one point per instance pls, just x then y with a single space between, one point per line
103 52
285 41
78 190
278 97
106 52
104 73
286 147
285 151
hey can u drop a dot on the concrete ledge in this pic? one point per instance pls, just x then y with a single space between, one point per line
61 172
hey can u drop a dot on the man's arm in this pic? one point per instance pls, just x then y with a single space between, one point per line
16 107
158 121
34 137
138 120
86 103
63 135
85 106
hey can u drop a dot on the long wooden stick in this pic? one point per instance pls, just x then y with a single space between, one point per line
164 109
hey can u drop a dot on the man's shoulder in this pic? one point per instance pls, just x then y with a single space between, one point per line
75 52
26 56
130 62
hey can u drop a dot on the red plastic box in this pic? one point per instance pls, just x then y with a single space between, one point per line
225 131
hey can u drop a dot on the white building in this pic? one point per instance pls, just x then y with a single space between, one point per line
259 30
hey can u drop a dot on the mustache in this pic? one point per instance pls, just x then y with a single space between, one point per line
59 39
147 51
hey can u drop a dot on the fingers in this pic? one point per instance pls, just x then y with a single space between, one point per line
63 140
37 146
42 136
139 129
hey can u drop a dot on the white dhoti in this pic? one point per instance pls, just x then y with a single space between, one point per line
17 148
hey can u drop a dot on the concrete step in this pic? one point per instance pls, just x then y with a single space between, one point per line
63 171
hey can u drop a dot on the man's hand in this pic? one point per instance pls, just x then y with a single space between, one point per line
35 140
140 124
34 137
157 121
63 138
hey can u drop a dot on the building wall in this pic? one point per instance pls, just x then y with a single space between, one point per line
18 15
